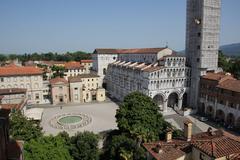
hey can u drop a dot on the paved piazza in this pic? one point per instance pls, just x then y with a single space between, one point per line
102 117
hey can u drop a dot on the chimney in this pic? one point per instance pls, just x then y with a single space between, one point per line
188 129
169 135
158 148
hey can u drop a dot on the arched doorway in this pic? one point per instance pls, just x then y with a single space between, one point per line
173 100
209 111
220 116
184 102
158 99
201 109
230 119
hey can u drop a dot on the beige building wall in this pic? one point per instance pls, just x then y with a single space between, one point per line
87 66
60 93
87 96
198 155
101 95
91 83
73 72
76 95
33 84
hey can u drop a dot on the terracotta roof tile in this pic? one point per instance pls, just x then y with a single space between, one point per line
215 144
73 65
57 80
177 146
86 61
75 79
129 51
12 91
19 71
216 76
230 84
90 75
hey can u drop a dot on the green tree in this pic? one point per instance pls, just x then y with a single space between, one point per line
223 62
121 147
139 116
58 71
2 58
235 68
46 148
85 146
23 129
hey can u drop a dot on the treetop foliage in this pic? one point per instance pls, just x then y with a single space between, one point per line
69 56
139 116
23 129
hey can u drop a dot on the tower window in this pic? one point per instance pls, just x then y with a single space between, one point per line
198 47
199 34
198 59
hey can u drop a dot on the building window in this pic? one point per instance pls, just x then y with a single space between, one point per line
198 47
199 34
2 79
37 96
104 71
60 87
75 88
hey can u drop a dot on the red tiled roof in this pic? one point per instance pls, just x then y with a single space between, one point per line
216 76
12 91
129 51
215 144
89 75
169 150
230 84
57 80
73 65
225 81
19 70
9 106
86 61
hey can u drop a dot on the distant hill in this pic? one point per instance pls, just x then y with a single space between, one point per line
228 50
231 49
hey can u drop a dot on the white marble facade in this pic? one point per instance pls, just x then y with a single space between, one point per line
158 73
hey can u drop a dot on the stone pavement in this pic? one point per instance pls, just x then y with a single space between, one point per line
178 120
102 114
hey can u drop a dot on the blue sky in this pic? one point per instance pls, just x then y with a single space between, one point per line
28 26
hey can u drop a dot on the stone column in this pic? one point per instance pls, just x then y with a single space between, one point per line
180 103
165 106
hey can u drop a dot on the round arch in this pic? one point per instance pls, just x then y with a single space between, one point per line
184 102
159 100
172 100
230 119
220 115
201 109
209 111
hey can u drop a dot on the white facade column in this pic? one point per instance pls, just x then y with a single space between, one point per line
180 103
165 105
